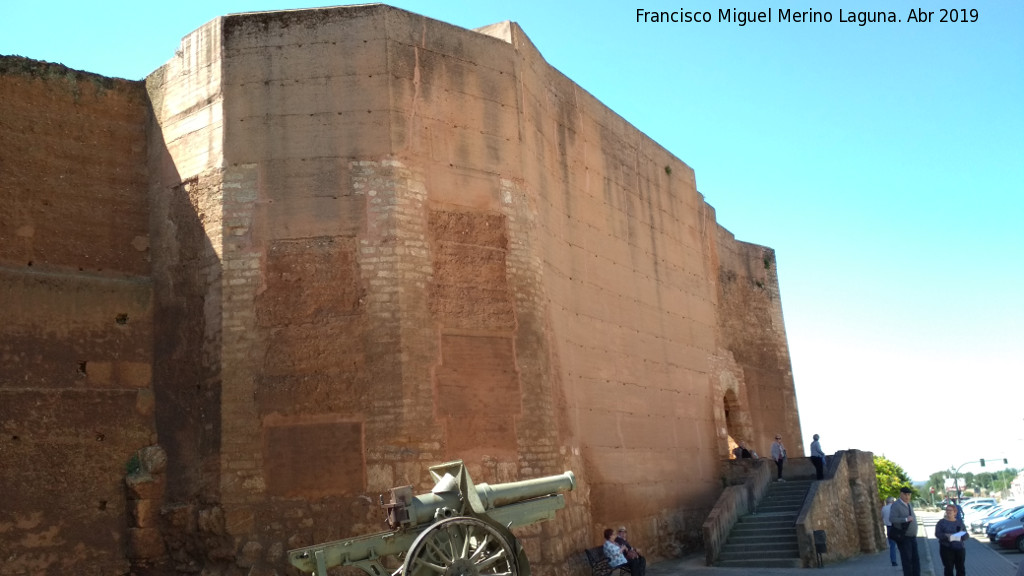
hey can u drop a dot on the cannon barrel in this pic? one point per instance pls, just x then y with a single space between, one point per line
497 495
422 509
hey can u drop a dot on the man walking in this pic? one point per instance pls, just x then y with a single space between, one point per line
904 525
894 551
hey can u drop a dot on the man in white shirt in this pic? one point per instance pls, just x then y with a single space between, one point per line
893 550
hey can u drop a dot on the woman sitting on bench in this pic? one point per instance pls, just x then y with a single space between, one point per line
616 554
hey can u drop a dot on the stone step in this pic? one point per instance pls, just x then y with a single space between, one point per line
785 495
789 485
786 492
762 538
761 563
786 549
766 506
759 518
765 526
760 554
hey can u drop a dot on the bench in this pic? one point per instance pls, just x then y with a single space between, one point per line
599 563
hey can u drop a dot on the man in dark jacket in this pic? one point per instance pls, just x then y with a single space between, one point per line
904 528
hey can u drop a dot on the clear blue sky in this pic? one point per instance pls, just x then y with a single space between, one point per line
884 163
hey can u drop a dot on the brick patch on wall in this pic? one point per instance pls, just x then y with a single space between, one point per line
313 457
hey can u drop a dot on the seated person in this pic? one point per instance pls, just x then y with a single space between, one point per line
616 555
630 553
741 451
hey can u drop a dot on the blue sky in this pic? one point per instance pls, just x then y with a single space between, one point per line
884 163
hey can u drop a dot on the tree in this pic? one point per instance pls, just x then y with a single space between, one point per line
984 480
891 478
967 480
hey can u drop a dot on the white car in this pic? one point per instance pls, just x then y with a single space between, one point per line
1001 513
978 511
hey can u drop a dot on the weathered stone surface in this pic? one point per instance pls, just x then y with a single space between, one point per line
145 543
144 486
325 249
153 459
251 553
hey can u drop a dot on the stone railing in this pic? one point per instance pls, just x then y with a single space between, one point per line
845 505
735 501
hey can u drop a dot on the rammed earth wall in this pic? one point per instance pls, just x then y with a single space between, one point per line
76 315
348 244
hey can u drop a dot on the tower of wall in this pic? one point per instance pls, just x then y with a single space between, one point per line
378 242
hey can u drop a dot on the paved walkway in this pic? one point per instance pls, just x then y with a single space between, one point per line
982 560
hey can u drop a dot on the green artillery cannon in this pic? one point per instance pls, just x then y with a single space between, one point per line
458 529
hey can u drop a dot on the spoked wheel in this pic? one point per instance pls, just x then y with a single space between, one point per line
1020 544
461 546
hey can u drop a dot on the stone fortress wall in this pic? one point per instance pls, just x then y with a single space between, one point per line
321 250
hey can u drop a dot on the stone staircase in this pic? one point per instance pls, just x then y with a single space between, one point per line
767 537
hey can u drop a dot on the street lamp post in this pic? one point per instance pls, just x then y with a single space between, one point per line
956 474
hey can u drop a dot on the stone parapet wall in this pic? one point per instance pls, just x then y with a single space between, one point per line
747 481
845 505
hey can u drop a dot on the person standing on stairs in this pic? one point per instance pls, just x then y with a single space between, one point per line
779 455
818 458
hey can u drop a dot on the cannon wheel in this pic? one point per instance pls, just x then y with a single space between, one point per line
460 546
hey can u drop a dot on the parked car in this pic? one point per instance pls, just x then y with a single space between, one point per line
978 513
1013 520
969 509
974 523
976 504
1001 514
1011 538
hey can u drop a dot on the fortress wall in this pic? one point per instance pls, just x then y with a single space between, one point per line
631 308
612 242
187 220
753 332
520 277
457 119
381 242
76 331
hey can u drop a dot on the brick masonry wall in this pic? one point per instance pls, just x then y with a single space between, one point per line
76 399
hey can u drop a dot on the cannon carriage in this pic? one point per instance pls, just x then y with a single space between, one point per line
457 529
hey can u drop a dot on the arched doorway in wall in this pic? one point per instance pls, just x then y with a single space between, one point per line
737 420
